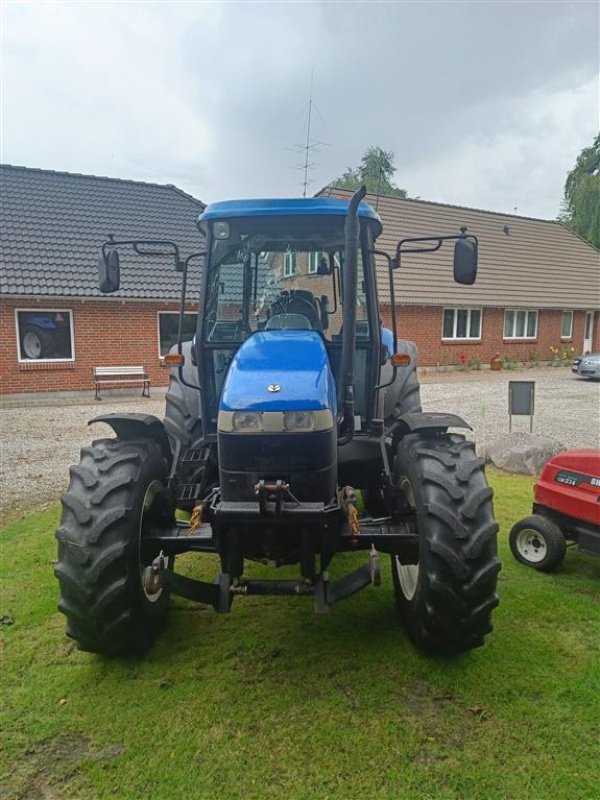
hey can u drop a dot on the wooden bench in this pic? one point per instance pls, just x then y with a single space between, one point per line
114 375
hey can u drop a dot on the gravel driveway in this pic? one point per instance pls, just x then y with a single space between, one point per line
39 442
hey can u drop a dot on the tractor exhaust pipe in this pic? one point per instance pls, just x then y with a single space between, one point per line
350 276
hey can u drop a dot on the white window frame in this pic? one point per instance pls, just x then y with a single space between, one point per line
45 310
454 337
569 335
527 311
289 264
158 313
314 257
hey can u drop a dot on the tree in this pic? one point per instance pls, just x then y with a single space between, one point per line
582 194
375 171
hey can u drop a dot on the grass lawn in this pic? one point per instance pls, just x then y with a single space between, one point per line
272 701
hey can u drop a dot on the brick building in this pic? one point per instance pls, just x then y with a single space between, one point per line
55 325
538 285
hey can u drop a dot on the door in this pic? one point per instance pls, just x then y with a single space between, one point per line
588 331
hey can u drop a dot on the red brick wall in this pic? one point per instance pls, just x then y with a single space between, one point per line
106 333
423 325
111 332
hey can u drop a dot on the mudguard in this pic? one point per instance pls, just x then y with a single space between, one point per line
138 426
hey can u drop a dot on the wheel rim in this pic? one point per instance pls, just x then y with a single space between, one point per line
32 345
148 520
531 545
408 574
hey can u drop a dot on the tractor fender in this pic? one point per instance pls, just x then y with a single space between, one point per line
419 421
138 426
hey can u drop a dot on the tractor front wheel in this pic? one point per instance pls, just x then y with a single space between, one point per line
445 599
537 542
116 497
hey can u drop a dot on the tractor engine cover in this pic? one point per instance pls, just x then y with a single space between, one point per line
277 417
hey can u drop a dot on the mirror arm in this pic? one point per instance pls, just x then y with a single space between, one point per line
439 240
184 270
391 267
139 247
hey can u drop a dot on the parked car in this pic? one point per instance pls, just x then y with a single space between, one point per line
589 366
566 508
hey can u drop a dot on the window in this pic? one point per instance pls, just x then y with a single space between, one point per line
314 259
519 324
289 264
462 323
168 325
566 330
45 335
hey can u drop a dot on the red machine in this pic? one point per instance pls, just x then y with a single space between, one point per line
566 506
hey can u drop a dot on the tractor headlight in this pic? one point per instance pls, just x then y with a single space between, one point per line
298 421
247 421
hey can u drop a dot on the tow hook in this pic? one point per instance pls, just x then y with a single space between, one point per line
153 574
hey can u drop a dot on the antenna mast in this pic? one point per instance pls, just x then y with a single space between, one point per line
307 146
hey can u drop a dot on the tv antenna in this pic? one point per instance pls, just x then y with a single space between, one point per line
305 149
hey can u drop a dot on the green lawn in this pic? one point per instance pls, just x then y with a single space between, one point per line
272 701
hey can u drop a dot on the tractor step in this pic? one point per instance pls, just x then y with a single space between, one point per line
195 455
189 491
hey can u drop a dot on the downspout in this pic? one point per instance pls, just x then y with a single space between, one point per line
346 391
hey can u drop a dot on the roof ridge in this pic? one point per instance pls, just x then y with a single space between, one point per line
332 187
103 178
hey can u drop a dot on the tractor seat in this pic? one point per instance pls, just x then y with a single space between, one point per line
298 302
288 322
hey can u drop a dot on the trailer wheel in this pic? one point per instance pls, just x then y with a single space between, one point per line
115 498
537 542
445 599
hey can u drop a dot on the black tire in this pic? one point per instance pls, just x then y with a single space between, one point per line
537 542
407 397
446 600
113 497
404 394
183 421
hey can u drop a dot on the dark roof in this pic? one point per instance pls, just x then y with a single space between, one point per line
524 262
52 225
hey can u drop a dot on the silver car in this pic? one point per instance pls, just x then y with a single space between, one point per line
589 366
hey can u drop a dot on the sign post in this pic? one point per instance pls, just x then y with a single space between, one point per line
521 401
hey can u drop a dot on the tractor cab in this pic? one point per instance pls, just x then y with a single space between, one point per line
275 266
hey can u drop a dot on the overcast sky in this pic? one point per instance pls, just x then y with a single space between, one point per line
483 104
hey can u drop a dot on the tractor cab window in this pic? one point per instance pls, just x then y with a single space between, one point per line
284 279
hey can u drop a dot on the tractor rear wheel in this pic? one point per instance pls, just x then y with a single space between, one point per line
115 498
183 421
537 542
446 598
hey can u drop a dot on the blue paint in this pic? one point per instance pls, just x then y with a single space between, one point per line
295 360
42 322
294 207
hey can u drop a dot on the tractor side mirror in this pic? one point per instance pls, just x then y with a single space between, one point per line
109 272
465 261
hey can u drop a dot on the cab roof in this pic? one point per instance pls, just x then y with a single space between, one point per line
289 207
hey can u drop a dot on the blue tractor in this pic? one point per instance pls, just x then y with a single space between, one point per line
293 432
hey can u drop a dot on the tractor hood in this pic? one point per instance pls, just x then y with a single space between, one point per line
280 370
